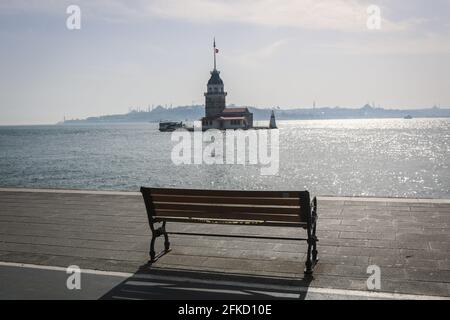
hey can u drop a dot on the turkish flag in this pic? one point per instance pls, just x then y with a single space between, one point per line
217 50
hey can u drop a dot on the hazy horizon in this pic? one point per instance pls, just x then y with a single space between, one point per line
272 53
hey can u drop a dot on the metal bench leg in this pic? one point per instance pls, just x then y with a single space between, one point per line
309 263
315 240
314 246
311 258
166 238
152 242
155 234
152 248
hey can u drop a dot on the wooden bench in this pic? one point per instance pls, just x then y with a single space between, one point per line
261 208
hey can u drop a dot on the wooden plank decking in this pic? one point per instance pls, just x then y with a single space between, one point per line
408 239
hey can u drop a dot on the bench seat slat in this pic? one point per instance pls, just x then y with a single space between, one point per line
226 200
159 213
228 193
225 209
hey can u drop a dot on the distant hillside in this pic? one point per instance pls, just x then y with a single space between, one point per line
192 113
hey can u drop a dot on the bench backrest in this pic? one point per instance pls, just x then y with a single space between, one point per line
262 207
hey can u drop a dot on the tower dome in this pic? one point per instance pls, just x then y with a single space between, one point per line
215 78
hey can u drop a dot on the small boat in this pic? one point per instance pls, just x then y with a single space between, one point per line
169 126
408 117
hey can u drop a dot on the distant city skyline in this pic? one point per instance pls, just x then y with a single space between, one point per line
288 53
195 113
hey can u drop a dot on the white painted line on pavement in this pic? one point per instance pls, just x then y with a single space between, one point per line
326 291
52 268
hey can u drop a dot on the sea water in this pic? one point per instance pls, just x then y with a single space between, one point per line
371 157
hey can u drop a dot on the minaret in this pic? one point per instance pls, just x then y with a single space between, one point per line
272 124
215 95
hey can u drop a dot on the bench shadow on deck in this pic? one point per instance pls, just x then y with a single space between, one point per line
172 284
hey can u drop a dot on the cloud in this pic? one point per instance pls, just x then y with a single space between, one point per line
341 15
338 15
425 44
311 14
256 56
414 32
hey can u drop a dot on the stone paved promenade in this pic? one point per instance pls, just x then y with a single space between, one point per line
408 239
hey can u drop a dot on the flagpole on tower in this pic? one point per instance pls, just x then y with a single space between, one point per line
214 53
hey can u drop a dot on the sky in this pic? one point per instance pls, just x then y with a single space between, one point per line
285 53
